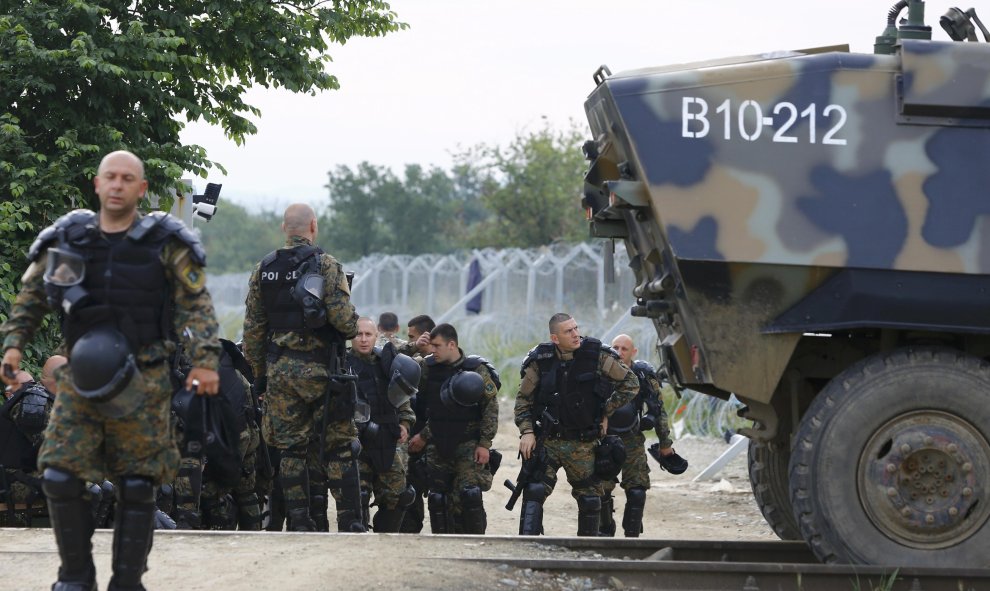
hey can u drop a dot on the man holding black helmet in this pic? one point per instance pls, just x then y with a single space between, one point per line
462 418
123 283
298 316
629 422
387 380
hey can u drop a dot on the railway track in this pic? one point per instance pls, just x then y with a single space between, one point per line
737 566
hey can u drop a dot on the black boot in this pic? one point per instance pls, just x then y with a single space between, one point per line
531 517
133 527
248 511
388 520
474 520
607 525
319 502
632 517
589 515
440 522
71 517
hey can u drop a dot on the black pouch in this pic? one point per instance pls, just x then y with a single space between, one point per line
610 454
494 460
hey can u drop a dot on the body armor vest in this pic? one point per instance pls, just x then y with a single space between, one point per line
378 445
279 272
16 450
572 391
124 277
448 425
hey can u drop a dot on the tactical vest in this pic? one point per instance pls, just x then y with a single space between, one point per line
646 396
124 276
573 391
378 444
16 450
280 270
448 425
233 390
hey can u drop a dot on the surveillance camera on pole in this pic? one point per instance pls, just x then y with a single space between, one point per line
205 205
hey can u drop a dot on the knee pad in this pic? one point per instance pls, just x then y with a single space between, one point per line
407 496
136 489
636 496
589 504
535 491
58 484
471 496
437 501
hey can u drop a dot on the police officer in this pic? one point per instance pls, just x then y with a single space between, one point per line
644 413
462 419
571 385
418 346
297 318
122 282
385 434
23 418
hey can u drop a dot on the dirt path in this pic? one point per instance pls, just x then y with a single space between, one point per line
677 508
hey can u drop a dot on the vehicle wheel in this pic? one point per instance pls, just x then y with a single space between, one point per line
768 461
892 462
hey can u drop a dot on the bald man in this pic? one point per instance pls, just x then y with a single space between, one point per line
48 372
298 314
123 283
644 413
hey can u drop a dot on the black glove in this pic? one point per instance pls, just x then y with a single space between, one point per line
673 463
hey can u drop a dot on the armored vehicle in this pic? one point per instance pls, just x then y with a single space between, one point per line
810 230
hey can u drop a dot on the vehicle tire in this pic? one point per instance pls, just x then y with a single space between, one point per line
768 463
891 464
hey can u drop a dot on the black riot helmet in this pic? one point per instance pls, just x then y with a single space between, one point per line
308 293
104 371
623 420
462 389
405 378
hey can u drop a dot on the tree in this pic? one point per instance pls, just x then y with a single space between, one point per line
533 189
237 239
353 226
82 78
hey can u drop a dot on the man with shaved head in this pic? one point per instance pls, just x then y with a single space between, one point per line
48 372
126 287
298 315
644 413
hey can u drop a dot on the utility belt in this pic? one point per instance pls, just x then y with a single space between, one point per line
565 434
276 351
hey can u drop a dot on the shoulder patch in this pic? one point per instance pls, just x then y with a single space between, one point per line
473 362
191 275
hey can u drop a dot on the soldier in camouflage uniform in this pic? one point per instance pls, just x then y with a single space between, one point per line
457 438
417 347
579 382
201 501
289 337
123 281
635 469
384 437
23 418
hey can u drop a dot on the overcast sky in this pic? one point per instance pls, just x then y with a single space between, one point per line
469 72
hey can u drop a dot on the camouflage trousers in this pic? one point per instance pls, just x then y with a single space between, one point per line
577 458
385 486
18 488
294 405
635 470
81 440
454 474
207 498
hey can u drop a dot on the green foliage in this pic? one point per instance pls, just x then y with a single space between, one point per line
533 190
235 239
83 78
372 210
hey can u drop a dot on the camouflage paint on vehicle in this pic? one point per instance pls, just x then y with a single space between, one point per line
749 189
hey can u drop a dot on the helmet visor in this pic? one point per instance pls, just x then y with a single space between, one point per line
64 268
